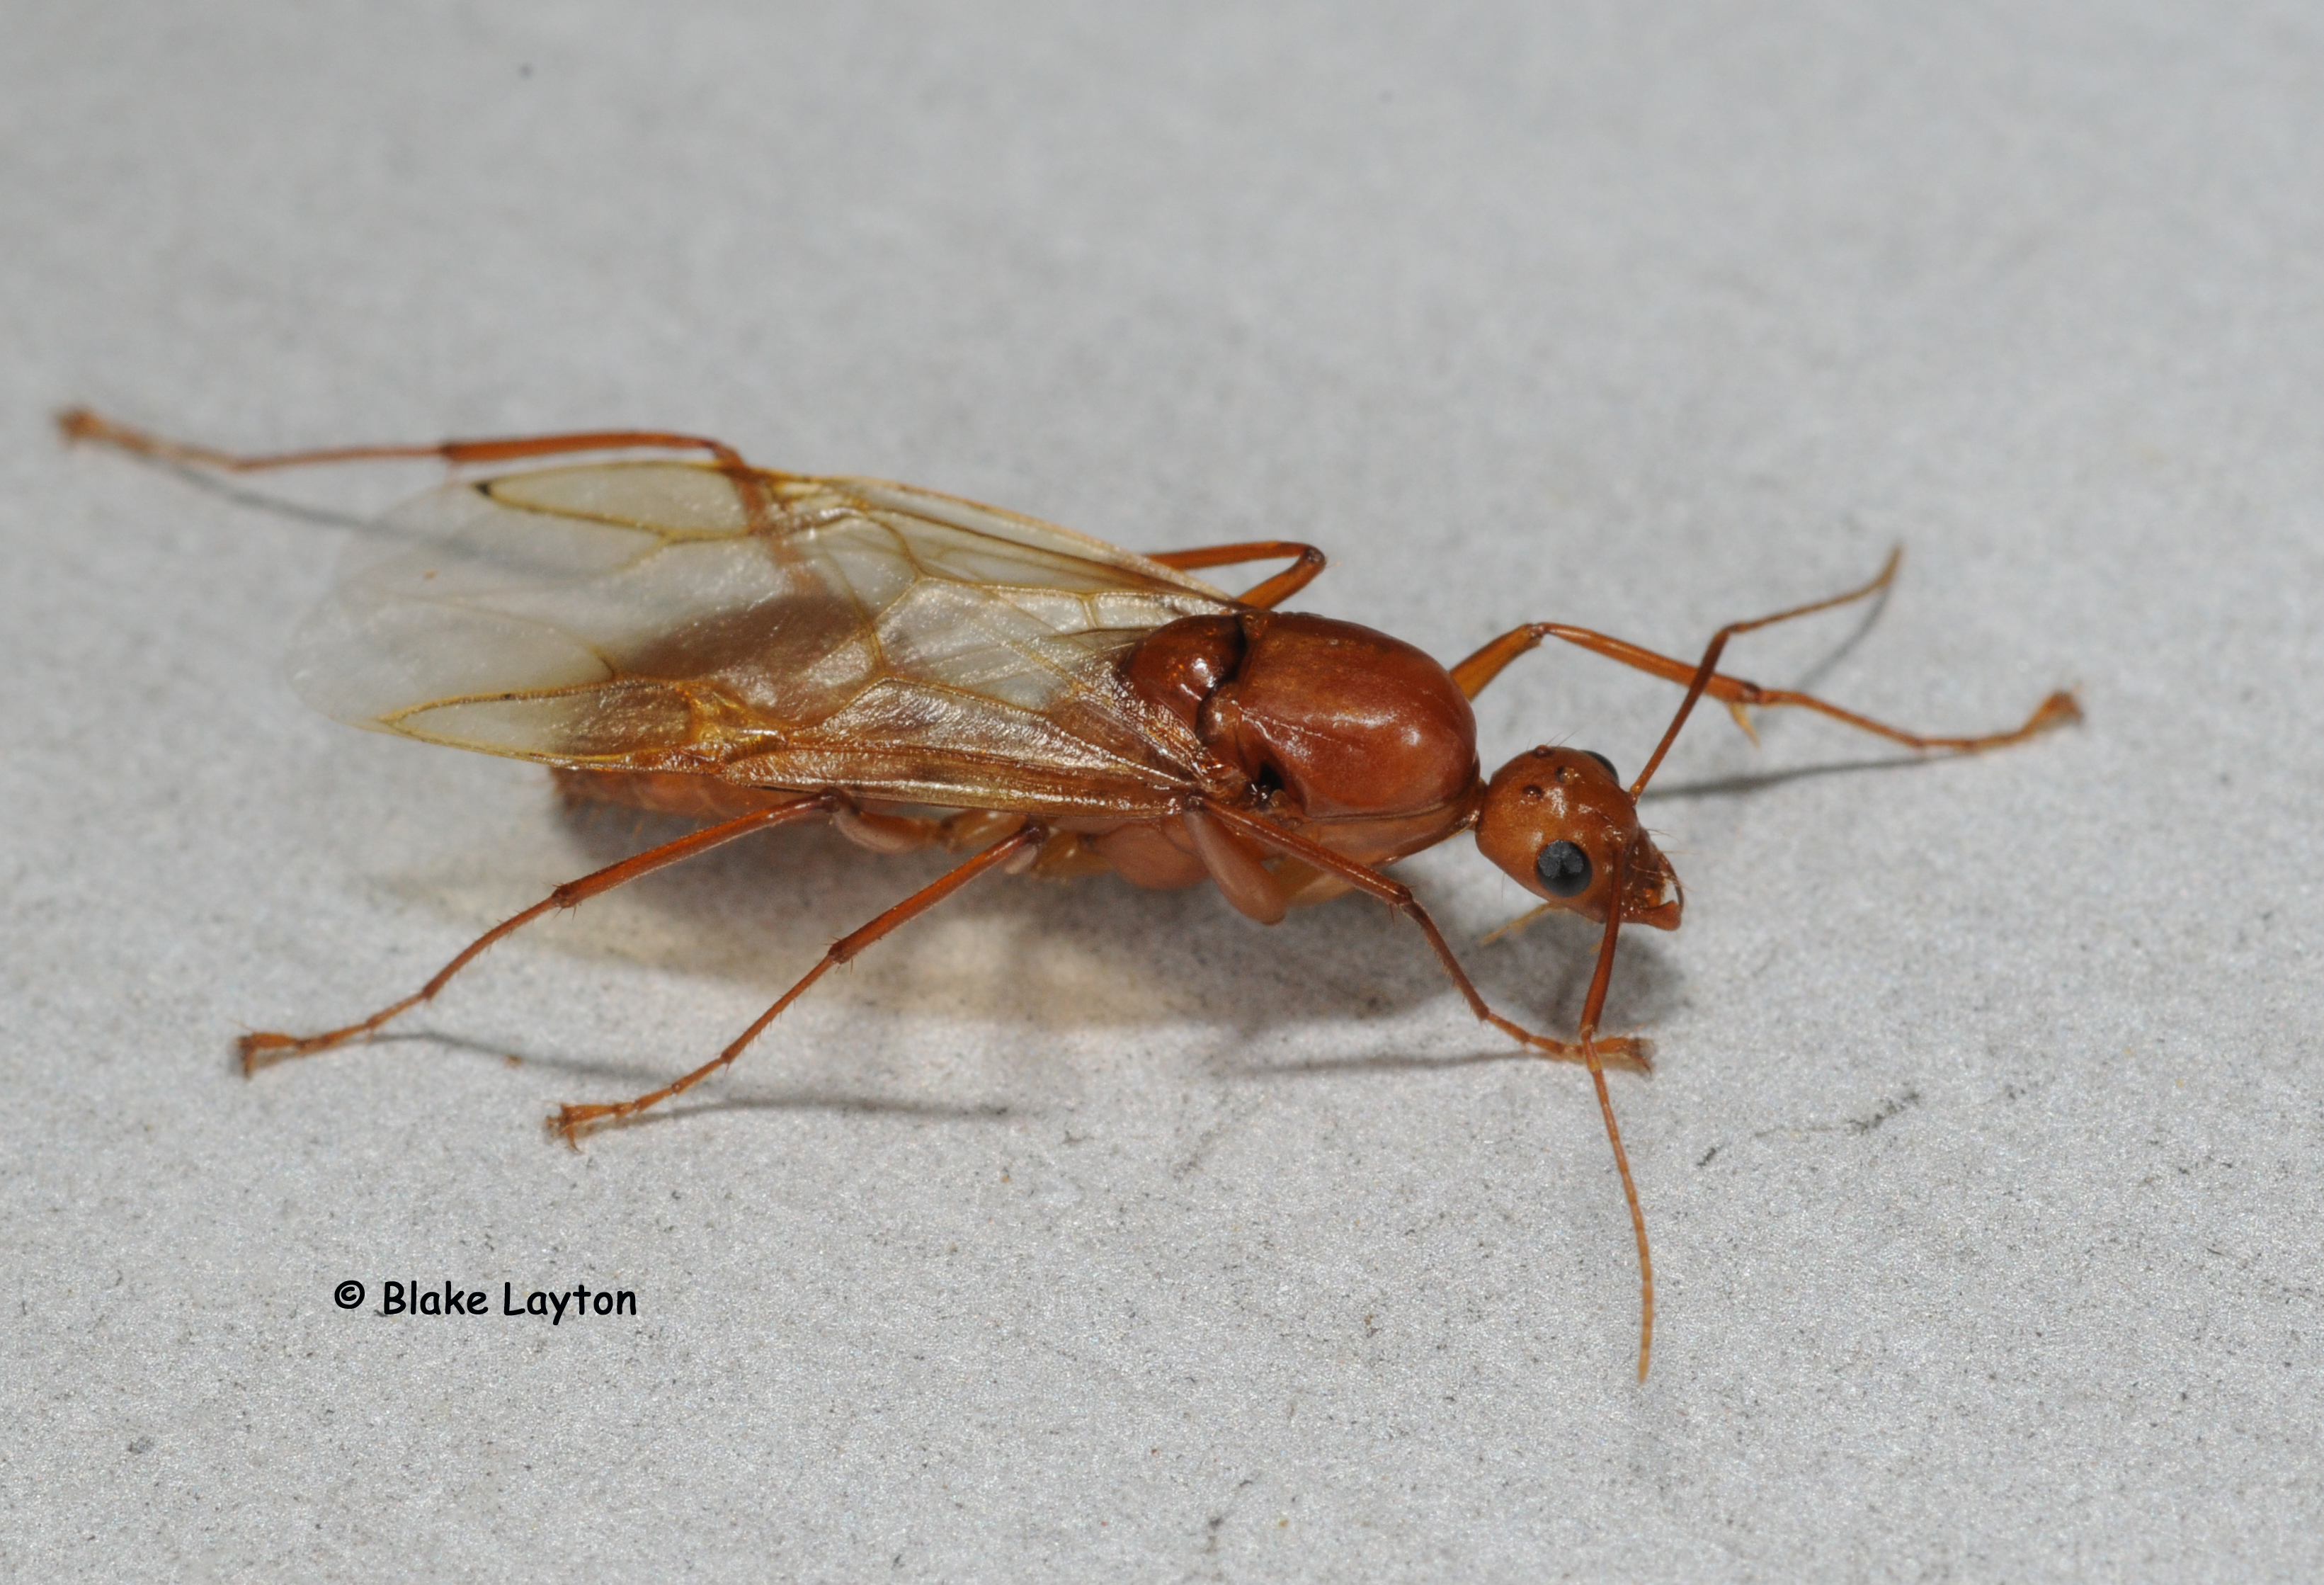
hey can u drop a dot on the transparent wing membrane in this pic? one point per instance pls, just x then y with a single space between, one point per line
867 636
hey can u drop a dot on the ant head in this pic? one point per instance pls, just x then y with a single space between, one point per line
1560 822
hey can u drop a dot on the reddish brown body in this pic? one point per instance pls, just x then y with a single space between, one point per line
1355 740
1283 756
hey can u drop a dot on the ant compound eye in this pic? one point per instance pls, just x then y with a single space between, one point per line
1605 762
1564 869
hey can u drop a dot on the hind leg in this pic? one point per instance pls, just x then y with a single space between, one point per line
571 1120
262 1048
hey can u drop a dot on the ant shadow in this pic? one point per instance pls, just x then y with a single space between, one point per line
227 488
1093 954
1088 957
1744 783
637 1072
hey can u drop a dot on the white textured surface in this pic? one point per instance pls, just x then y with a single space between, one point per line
1081 1234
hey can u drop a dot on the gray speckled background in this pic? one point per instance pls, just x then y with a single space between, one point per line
1083 1233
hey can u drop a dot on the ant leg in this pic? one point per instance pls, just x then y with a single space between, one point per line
1623 1050
1473 674
976 828
1307 561
883 831
571 1120
880 832
264 1048
80 423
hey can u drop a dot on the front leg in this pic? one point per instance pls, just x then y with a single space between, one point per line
1634 1052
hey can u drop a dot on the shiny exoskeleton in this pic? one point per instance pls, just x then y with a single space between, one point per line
1366 746
756 648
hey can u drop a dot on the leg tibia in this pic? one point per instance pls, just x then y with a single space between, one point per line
570 1121
262 1048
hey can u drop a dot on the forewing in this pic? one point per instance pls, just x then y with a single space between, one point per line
844 632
